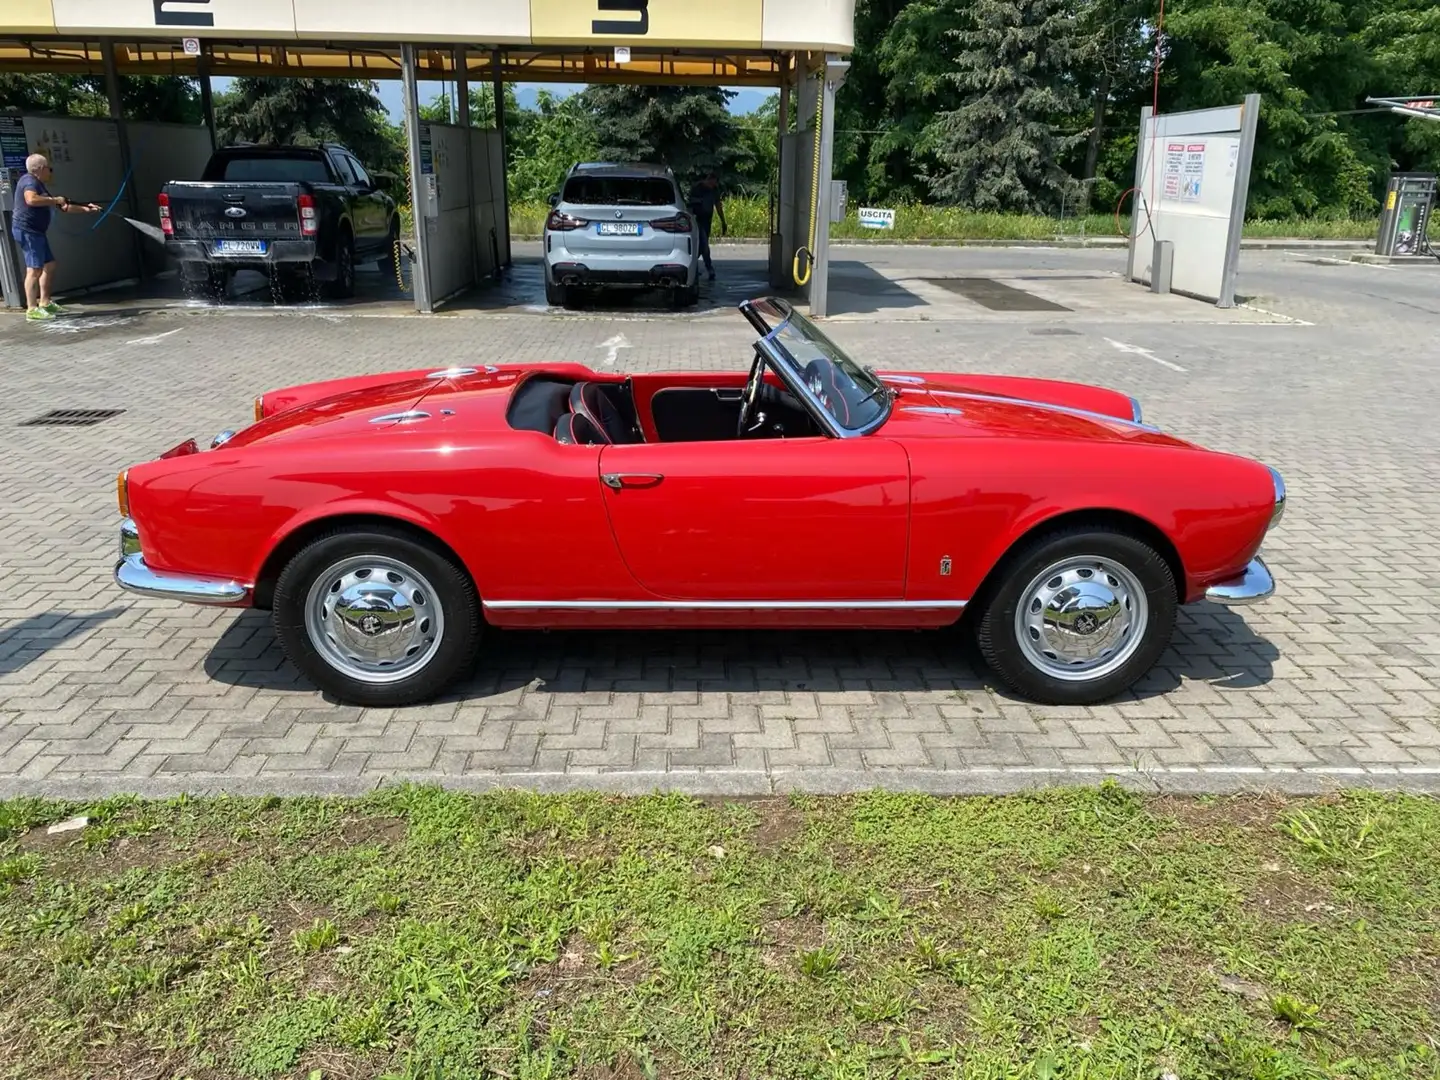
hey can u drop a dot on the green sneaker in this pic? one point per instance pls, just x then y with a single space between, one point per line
53 308
38 314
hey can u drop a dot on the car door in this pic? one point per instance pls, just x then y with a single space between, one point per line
809 519
376 220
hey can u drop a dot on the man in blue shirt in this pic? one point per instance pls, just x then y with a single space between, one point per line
705 204
33 207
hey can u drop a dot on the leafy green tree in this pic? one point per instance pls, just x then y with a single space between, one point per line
688 129
310 111
1002 147
756 164
169 98
545 142
1306 60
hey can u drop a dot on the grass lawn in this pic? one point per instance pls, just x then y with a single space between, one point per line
750 220
417 933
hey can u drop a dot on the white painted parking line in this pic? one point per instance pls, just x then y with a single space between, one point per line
1138 351
614 345
154 337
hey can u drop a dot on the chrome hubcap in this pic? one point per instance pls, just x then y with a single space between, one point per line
374 619
1082 618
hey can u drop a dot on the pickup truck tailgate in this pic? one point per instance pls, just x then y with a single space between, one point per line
249 211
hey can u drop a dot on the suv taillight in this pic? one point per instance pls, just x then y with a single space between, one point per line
680 223
166 225
560 221
309 222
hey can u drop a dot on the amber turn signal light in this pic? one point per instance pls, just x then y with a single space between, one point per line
260 407
122 491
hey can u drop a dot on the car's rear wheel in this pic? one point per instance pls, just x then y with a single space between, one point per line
377 617
556 295
1078 615
343 287
685 296
388 261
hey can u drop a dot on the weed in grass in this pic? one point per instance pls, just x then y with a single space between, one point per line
388 903
323 934
821 962
18 868
1300 1015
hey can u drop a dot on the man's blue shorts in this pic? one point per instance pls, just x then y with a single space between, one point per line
36 247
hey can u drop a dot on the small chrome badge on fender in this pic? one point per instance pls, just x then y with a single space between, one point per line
945 566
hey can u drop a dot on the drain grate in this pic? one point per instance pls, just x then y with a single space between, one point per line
996 295
72 418
1054 331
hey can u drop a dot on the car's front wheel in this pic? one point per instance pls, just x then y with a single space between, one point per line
1078 616
377 617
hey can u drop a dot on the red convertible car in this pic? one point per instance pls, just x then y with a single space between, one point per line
387 520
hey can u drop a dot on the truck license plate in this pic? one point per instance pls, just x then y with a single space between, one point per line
239 247
619 228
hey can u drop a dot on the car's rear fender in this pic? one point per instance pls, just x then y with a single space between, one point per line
355 516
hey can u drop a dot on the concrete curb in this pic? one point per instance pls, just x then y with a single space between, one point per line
1265 243
1000 780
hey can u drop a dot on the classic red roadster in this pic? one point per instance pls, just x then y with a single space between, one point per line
387 520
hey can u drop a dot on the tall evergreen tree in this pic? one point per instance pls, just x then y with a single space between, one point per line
687 128
1002 147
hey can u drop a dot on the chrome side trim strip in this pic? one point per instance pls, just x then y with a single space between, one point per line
1049 406
132 575
407 417
725 605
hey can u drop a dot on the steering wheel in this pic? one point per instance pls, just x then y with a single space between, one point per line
751 396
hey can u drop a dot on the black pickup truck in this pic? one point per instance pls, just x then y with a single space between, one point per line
302 213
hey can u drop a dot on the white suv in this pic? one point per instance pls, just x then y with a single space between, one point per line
620 225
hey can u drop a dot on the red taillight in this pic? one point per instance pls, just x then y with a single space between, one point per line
166 225
309 222
562 222
680 223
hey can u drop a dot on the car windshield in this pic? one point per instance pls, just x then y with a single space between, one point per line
619 191
853 395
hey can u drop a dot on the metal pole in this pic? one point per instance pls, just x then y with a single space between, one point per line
1146 115
462 112
207 96
1249 118
117 115
420 273
501 197
835 70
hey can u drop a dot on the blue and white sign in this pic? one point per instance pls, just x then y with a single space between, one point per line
872 218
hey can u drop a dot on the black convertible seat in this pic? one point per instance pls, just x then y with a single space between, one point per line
539 403
591 400
576 428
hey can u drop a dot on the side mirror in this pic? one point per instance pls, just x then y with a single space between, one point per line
554 199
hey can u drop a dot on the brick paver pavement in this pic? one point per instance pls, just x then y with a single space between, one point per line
1334 681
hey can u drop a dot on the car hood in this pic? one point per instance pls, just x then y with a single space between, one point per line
990 406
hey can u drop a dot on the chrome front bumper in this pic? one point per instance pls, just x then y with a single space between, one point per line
132 575
1254 585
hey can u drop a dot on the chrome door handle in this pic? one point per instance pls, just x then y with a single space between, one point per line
635 480
728 395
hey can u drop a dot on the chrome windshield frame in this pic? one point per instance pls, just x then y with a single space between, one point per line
787 368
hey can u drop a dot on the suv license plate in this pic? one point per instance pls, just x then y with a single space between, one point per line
239 247
619 228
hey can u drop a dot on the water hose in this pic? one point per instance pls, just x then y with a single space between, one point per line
809 249
115 201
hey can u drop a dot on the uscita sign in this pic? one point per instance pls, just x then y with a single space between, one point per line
872 218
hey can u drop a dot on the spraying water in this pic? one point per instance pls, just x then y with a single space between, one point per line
149 230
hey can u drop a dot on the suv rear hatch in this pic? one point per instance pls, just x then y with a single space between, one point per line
619 214
246 195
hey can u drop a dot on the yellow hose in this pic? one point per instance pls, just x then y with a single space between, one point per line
809 249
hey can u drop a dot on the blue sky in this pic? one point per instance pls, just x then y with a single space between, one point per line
746 99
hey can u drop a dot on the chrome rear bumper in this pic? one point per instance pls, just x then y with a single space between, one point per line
132 575
1254 585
